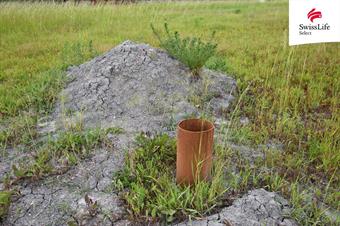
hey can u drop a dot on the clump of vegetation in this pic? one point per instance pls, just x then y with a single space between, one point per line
38 98
65 150
40 91
191 51
216 63
5 201
18 130
243 175
75 53
149 187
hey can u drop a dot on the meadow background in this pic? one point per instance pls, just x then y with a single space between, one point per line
291 94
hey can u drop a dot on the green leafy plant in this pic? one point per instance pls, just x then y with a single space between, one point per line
191 51
148 183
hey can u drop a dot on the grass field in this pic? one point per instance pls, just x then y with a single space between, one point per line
292 94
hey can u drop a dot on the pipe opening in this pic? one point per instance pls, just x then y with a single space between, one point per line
195 125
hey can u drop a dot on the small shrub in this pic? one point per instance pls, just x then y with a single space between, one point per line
191 51
149 187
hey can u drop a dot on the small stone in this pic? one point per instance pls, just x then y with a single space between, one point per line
244 121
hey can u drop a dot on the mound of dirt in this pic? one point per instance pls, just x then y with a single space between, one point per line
137 88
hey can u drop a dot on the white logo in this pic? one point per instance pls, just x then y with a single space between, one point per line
314 21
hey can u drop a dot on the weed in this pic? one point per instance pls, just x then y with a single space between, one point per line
191 51
18 130
92 206
6 181
75 53
244 176
5 201
149 187
72 222
114 130
66 150
201 96
242 135
306 211
216 63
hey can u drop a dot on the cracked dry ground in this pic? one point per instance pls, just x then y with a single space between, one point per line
57 200
139 89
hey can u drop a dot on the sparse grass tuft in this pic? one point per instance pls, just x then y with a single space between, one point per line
191 51
18 130
76 53
57 155
149 187
243 176
5 201
306 210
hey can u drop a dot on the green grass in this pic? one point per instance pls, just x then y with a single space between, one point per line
291 94
58 154
5 201
149 186
40 97
65 150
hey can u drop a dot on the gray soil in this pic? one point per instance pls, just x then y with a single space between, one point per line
139 89
258 207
